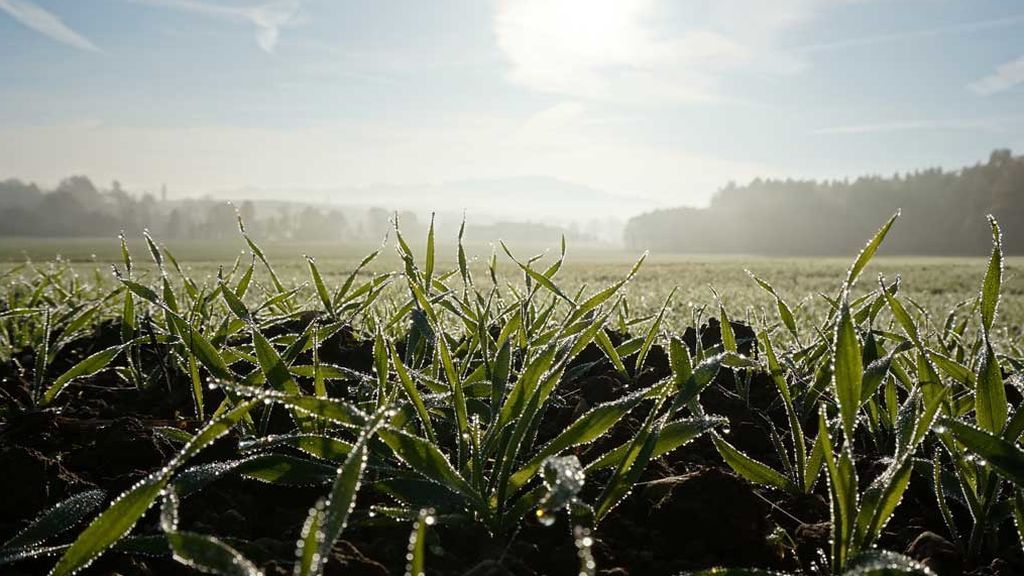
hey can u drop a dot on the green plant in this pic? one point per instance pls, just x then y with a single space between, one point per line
445 420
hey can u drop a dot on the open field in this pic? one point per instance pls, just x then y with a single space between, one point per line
936 283
511 288
426 413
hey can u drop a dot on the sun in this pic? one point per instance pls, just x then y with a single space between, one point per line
579 33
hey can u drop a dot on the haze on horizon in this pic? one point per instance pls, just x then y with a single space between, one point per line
639 104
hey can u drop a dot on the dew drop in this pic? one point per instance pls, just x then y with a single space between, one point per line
584 542
545 517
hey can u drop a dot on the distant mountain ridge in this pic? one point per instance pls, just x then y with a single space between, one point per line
943 213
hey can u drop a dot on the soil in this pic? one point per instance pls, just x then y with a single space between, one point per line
688 512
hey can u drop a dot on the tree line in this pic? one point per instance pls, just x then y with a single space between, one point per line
943 213
76 207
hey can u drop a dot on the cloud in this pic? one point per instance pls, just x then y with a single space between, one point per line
1000 124
1005 77
643 51
967 27
667 52
47 24
268 18
602 50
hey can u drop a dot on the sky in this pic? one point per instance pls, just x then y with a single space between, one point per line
658 102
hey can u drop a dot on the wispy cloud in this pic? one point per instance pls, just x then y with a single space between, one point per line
268 18
623 51
999 124
1005 77
46 23
966 27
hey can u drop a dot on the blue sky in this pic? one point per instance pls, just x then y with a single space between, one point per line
663 101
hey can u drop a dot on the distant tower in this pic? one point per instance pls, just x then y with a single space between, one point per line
163 192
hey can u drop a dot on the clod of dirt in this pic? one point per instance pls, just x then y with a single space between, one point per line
937 553
30 482
602 388
346 348
711 335
704 519
656 366
233 507
38 429
120 453
810 539
997 567
803 508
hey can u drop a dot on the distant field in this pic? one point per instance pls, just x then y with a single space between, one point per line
935 283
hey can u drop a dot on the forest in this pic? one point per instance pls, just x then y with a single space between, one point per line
943 214
78 208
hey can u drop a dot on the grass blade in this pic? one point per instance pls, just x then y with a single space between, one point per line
427 460
751 469
848 370
121 516
418 544
673 435
869 251
990 405
321 288
428 266
1005 457
993 279
652 333
86 367
63 515
342 498
209 554
586 428
310 561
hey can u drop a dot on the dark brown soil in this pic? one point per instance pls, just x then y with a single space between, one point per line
689 511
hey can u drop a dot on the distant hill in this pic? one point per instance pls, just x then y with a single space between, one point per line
485 201
943 214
